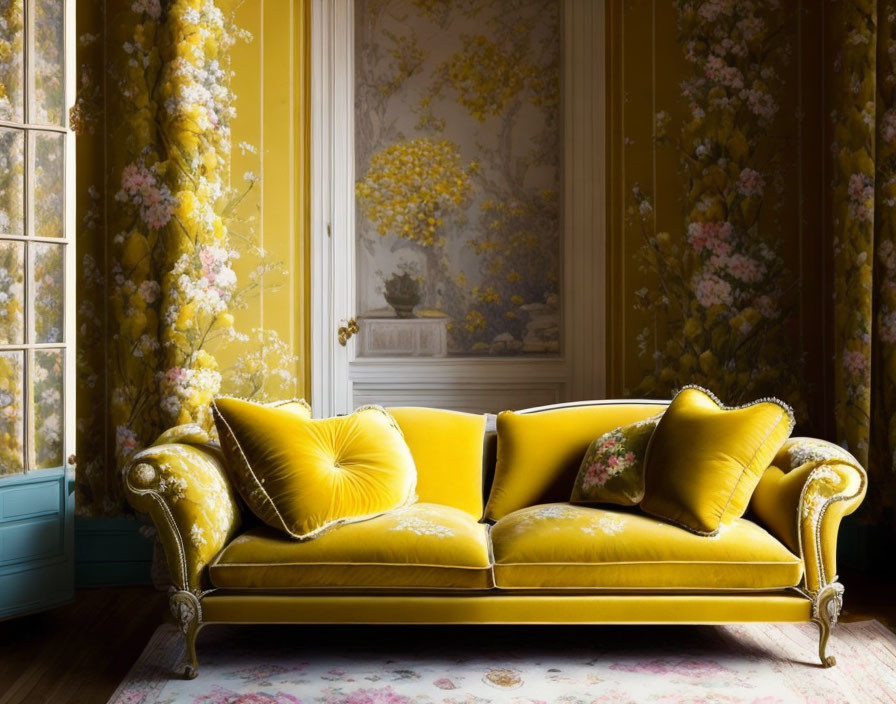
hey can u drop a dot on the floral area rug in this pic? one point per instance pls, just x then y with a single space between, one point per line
754 664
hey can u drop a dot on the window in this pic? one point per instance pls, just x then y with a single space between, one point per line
36 153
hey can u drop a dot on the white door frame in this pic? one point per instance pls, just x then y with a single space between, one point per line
580 371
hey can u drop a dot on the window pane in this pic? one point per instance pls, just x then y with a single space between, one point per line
12 179
49 184
11 415
49 278
12 268
49 53
11 60
47 387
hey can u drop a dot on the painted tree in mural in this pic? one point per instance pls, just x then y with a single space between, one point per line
172 286
721 300
487 225
410 189
494 76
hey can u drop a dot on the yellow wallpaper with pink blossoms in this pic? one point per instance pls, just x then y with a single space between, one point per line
191 241
751 155
715 258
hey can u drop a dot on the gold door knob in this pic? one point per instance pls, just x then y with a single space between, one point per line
72 460
345 332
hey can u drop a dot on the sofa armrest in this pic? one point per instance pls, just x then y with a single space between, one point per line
182 484
802 498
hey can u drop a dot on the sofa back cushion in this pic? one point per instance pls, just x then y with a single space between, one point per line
448 450
540 451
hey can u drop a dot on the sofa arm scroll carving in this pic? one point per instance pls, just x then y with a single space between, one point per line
184 489
802 499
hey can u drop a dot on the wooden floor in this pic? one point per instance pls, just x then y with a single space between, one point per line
81 652
77 653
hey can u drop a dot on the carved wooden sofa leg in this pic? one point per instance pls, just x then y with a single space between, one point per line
187 613
826 608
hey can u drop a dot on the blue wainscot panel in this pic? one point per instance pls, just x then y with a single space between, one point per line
36 570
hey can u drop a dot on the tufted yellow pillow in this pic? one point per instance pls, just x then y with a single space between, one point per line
303 476
704 460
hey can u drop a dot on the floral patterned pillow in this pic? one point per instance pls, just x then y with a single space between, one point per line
613 468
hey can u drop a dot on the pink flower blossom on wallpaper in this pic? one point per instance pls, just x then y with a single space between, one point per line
151 7
710 290
126 441
855 363
888 126
718 71
711 236
741 267
149 291
767 307
761 104
711 9
750 183
142 188
860 193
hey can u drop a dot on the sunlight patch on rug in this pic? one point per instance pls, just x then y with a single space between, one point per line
748 664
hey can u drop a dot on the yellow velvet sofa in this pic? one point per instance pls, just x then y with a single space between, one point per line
543 561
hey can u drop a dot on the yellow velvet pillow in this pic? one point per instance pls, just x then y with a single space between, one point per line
447 448
704 460
539 453
303 476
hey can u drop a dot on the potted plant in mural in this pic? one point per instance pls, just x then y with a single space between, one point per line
402 292
411 189
719 308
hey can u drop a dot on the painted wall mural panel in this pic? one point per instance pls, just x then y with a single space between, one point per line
458 168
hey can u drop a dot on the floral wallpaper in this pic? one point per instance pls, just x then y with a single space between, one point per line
751 212
719 316
863 166
457 165
161 231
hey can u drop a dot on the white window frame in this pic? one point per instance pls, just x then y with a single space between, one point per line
67 242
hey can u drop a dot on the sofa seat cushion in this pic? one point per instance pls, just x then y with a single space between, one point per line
421 546
564 546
